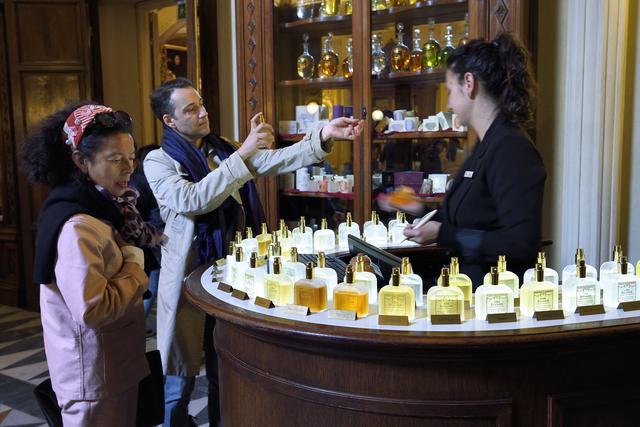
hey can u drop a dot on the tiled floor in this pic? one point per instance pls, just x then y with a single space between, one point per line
23 365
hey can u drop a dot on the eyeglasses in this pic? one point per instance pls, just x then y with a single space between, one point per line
109 120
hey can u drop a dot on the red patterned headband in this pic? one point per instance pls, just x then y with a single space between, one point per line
78 121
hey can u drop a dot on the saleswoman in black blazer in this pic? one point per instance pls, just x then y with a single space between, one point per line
494 205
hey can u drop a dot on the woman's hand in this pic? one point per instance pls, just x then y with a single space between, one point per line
425 235
260 137
342 128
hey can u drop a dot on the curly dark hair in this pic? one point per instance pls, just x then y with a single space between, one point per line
502 66
46 158
161 97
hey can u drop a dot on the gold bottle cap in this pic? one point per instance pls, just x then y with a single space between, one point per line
249 233
373 215
579 255
398 215
277 268
232 248
539 273
348 278
282 224
495 275
395 276
294 254
502 263
264 228
375 219
349 219
323 224
277 249
581 270
360 263
238 237
238 254
444 276
542 259
617 251
309 271
322 260
403 217
454 266
622 264
406 266
253 261
303 224
270 250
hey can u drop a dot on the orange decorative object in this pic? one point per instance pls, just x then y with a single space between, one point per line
403 196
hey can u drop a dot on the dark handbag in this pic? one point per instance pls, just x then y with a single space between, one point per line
150 397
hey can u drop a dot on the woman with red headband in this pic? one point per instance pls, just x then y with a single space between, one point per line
88 265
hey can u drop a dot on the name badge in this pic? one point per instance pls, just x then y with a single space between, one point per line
468 174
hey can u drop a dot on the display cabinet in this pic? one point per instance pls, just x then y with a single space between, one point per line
302 62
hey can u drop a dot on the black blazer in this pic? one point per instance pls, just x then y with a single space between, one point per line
494 206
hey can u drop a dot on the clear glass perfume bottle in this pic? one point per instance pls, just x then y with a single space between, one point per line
494 298
350 295
264 240
459 280
448 47
274 252
324 239
611 267
400 53
328 65
550 275
539 294
412 280
237 270
303 237
580 290
230 260
278 286
347 63
397 226
445 299
431 49
417 54
376 233
306 62
293 268
326 274
571 269
465 38
281 232
254 278
368 279
378 59
310 292
249 244
505 277
345 229
366 224
286 242
622 286
397 299
329 7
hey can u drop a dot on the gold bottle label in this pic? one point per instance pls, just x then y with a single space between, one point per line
497 303
626 291
585 295
543 300
447 305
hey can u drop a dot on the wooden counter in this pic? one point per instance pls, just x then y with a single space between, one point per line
280 372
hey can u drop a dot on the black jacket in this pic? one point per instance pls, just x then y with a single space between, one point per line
494 206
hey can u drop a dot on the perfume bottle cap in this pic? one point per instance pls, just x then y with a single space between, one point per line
579 255
277 249
454 266
294 254
403 217
495 275
502 263
581 271
270 250
360 263
398 215
274 237
373 215
542 260
264 228
444 276
232 248
239 254
395 276
349 219
277 267
622 265
322 260
617 251
253 261
303 224
309 271
348 278
238 237
249 233
323 224
539 273
406 266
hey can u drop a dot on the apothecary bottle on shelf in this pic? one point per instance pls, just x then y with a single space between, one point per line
305 61
328 64
400 53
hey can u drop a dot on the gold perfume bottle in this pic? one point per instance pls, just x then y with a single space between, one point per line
396 299
431 58
459 280
465 38
378 5
351 296
264 240
400 52
415 60
448 47
538 295
346 7
445 299
278 286
347 63
328 65
329 7
305 63
310 292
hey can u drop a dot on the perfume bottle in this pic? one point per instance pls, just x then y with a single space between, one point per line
376 233
445 299
580 290
417 54
571 269
539 294
310 292
293 268
459 280
347 63
237 270
611 267
274 252
324 239
278 287
431 49
286 242
230 260
397 299
249 244
400 52
281 232
305 63
465 38
368 279
378 5
505 277
370 222
493 298
550 275
378 59
397 226
350 295
328 65
622 286
329 7
448 47
303 237
254 278
408 278
327 275
345 229
264 240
